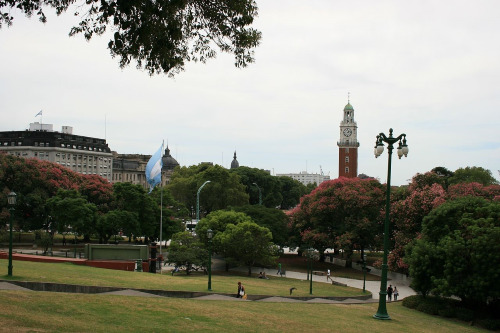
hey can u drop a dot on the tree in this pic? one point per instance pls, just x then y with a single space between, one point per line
341 213
473 174
161 36
134 199
270 186
273 219
291 191
459 251
114 221
246 244
218 221
407 216
186 249
69 209
224 189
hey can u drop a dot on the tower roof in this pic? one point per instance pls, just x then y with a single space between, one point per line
234 163
348 107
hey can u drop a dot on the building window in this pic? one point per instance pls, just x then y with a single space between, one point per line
347 150
347 170
347 159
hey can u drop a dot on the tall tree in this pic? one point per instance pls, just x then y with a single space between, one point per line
270 187
217 221
224 189
161 36
246 244
273 219
186 249
473 174
459 251
69 209
341 213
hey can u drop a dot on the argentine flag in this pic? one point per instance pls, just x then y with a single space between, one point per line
153 169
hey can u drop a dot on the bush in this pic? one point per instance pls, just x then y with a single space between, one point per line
412 302
490 324
464 314
447 312
429 306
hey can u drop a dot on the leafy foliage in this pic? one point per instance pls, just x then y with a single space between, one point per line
161 36
473 174
246 244
273 219
186 249
341 213
459 251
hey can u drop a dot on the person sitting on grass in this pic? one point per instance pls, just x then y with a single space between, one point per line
260 276
264 276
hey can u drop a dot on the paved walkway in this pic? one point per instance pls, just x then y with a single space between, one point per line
398 280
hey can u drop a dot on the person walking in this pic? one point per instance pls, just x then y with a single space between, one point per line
279 268
395 292
241 291
328 274
389 293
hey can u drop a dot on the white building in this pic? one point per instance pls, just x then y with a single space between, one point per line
82 154
306 178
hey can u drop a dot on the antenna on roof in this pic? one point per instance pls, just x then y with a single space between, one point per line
348 97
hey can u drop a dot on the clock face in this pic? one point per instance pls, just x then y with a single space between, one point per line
347 132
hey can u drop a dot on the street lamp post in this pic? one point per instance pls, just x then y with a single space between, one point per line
209 236
198 201
311 252
260 194
379 149
11 199
75 244
364 272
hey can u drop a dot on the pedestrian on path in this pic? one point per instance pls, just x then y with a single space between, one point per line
328 275
241 291
279 268
395 293
389 293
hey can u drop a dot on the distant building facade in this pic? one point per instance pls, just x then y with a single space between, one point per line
306 178
131 168
234 162
82 154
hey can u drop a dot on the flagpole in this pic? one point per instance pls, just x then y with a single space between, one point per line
161 203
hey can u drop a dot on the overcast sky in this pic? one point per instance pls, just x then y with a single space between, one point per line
430 69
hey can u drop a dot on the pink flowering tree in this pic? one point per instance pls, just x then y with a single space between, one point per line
407 215
341 213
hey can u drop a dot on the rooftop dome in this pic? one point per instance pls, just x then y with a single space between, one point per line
348 107
234 163
169 163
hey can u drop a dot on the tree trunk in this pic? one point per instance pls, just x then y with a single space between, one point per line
227 267
249 270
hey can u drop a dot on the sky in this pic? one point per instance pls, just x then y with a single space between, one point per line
429 69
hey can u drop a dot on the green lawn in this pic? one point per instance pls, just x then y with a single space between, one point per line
61 312
23 311
221 282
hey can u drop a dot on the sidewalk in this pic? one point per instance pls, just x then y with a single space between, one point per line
371 286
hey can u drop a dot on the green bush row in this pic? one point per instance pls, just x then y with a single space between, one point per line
446 308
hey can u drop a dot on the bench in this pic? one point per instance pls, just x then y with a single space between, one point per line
319 273
64 250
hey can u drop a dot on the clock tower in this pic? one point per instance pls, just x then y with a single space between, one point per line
348 144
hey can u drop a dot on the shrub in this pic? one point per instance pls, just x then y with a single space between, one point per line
430 307
447 312
464 314
412 301
490 324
